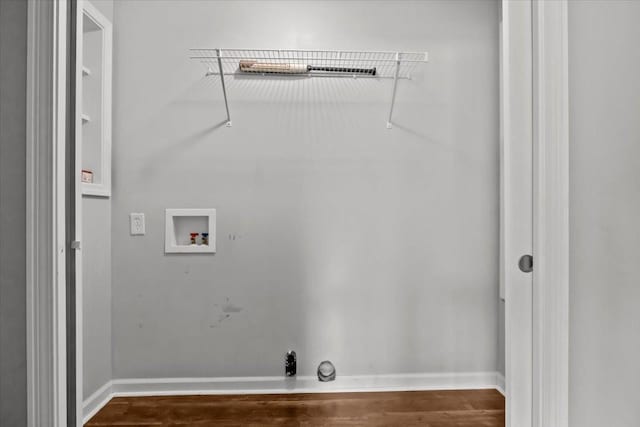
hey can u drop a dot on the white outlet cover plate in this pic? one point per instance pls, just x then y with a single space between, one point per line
136 221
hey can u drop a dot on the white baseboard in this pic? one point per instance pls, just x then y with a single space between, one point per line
501 384
300 384
96 401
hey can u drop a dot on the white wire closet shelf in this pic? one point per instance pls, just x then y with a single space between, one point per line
309 63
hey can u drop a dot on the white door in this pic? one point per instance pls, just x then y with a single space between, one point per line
516 175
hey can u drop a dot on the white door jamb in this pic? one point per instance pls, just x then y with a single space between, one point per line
551 214
45 257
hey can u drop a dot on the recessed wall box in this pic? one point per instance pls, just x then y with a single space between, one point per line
181 224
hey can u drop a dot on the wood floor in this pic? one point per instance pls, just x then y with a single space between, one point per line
459 408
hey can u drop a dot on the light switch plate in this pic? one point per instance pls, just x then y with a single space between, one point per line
136 220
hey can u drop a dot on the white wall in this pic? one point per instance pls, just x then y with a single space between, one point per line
375 248
605 208
96 279
13 164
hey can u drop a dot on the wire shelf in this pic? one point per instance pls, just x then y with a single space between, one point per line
314 63
309 63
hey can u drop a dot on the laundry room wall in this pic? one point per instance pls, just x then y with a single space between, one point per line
339 238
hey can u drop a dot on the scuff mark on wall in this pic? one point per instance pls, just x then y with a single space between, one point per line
230 308
227 308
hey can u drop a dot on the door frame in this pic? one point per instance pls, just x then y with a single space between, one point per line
551 213
47 30
47 249
535 133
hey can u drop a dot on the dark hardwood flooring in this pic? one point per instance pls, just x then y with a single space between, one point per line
459 408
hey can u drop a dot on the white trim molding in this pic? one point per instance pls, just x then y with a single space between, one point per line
551 215
92 404
282 385
88 10
45 258
501 384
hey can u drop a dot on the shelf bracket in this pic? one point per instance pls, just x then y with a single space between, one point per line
395 87
224 88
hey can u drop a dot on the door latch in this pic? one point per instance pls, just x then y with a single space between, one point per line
526 263
75 245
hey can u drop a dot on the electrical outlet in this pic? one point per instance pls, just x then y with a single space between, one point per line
136 220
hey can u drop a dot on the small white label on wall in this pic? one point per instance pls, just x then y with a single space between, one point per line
136 221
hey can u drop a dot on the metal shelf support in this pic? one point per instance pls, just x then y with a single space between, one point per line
395 87
224 88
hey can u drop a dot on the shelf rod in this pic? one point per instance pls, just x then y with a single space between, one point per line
395 86
296 58
380 52
224 88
